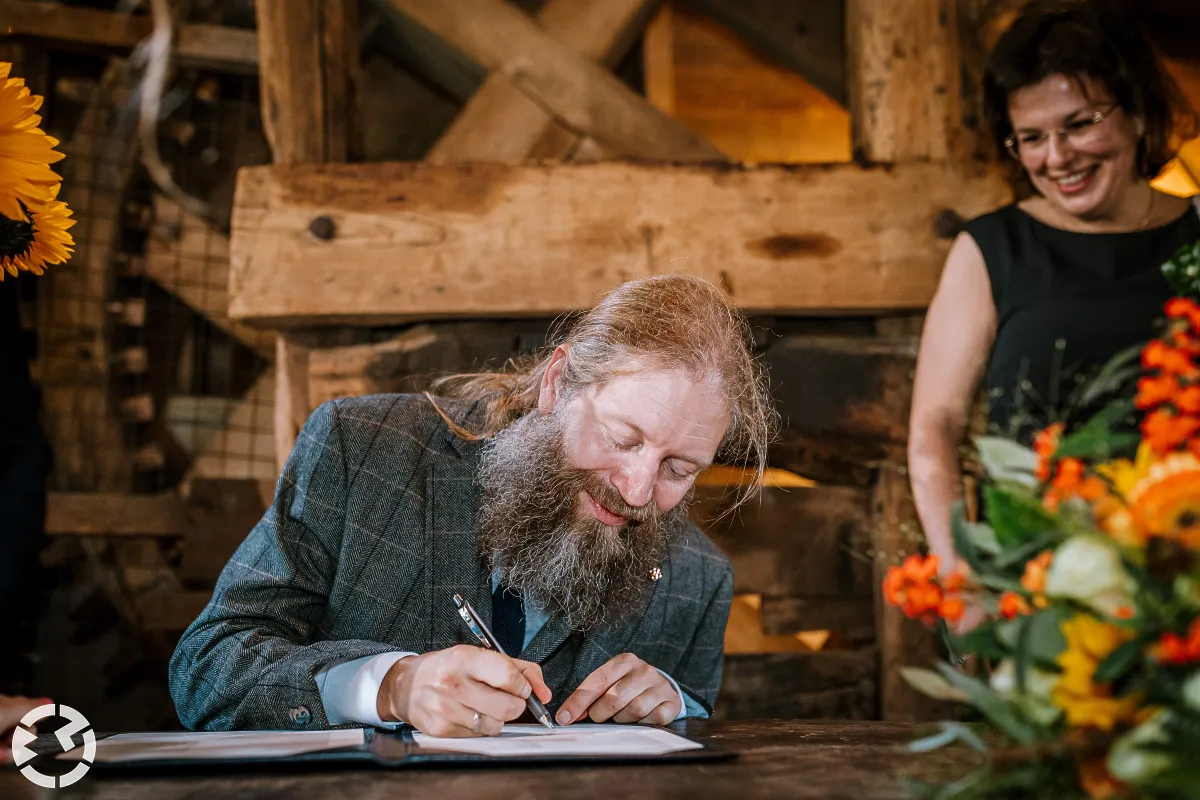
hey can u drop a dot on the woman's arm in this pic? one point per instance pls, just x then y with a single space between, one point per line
955 344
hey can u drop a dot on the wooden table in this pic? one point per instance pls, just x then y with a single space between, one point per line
800 759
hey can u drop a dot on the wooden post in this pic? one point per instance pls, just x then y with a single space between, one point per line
904 84
308 64
903 79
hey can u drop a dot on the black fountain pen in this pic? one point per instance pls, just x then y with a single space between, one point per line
485 637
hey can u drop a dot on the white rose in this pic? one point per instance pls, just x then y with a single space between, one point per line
1128 762
1089 569
1191 692
1038 683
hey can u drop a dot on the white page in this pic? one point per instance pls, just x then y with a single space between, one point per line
216 745
581 739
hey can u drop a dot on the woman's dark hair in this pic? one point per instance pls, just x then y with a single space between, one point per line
1089 39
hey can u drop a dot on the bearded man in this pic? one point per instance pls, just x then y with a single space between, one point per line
551 495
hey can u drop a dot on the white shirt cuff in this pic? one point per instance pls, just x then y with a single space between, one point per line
350 689
678 691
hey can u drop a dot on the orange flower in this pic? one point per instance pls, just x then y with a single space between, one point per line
952 609
1187 399
1044 444
1070 482
1170 360
1034 579
1183 308
1012 605
913 587
1178 650
1154 390
1096 780
1165 431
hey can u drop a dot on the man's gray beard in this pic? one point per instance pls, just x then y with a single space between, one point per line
563 561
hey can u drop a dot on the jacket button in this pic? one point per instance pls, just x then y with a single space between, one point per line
300 715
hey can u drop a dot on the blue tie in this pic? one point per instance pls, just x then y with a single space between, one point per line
508 620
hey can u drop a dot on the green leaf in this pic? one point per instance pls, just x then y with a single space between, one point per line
999 583
1002 714
950 732
1006 460
931 684
981 641
1096 444
982 536
1119 661
1046 640
964 545
1016 516
1019 555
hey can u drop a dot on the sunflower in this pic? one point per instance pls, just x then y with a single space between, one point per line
43 239
26 153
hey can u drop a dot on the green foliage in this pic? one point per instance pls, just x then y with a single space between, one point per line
1016 515
1182 271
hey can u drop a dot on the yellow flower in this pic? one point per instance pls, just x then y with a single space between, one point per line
1085 702
26 153
43 240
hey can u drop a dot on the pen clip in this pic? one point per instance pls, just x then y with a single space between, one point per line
464 611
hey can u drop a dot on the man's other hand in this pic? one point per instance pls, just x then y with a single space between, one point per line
440 693
11 711
625 689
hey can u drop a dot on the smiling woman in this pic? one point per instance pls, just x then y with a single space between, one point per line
1037 295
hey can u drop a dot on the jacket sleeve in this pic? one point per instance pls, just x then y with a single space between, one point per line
249 660
699 674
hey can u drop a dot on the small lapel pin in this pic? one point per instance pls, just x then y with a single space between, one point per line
655 573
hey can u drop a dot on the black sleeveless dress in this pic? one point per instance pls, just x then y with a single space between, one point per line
1066 302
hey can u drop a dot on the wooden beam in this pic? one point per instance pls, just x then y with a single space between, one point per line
308 76
903 79
413 241
115 514
854 616
807 38
903 642
581 94
214 46
843 387
838 684
502 124
825 530
308 65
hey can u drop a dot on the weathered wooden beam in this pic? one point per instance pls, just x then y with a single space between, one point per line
214 46
307 69
903 79
502 124
411 241
115 514
308 74
843 387
170 611
807 38
824 530
838 684
896 532
581 94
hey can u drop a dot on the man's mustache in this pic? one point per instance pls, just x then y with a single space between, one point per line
607 495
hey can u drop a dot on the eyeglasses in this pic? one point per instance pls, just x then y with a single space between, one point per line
1080 133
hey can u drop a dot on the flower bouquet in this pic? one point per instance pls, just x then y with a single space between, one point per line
1087 671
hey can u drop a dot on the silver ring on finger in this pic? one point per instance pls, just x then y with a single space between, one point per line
475 723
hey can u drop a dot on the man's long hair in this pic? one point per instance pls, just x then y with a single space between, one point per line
662 322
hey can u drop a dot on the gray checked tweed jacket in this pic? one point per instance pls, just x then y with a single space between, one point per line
371 532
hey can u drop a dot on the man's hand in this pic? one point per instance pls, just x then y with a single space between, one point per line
11 711
625 689
439 693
